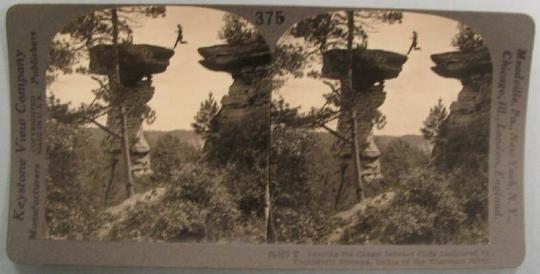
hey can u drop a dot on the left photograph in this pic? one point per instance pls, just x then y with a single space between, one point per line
147 109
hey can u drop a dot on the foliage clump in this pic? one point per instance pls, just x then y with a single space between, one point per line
467 40
69 211
169 154
423 212
434 121
196 207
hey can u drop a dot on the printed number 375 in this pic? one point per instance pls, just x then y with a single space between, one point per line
269 17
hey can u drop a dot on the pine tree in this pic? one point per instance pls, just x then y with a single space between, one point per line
71 48
345 30
204 118
467 39
432 124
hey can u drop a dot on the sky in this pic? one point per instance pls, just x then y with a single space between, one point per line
185 84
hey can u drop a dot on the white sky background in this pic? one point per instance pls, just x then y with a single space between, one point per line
181 88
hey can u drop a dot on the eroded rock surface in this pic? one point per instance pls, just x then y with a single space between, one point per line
234 58
137 64
136 61
465 133
119 213
370 69
369 65
461 65
344 221
249 94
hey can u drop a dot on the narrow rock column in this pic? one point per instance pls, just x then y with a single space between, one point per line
243 122
137 65
370 69
366 108
138 146
250 93
465 132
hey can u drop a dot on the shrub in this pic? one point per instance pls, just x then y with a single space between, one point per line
169 154
472 190
399 159
296 187
197 207
70 205
425 211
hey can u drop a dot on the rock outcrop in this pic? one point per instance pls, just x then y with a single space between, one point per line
136 61
344 221
250 93
119 213
235 58
137 64
369 65
464 135
370 69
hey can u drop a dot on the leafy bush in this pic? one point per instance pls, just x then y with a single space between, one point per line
295 190
465 147
399 159
425 211
244 143
70 207
247 187
197 207
169 154
241 149
472 190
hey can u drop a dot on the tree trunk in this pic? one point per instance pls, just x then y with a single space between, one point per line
116 89
360 195
125 153
270 234
354 122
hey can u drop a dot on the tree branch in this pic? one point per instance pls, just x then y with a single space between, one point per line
106 129
335 133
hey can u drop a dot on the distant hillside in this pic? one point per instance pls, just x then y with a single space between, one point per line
414 140
189 136
382 141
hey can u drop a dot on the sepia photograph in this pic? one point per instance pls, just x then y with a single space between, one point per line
183 124
380 125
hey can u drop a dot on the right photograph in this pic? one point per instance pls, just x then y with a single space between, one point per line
380 125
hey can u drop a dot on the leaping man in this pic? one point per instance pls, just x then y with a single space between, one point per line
180 37
414 44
